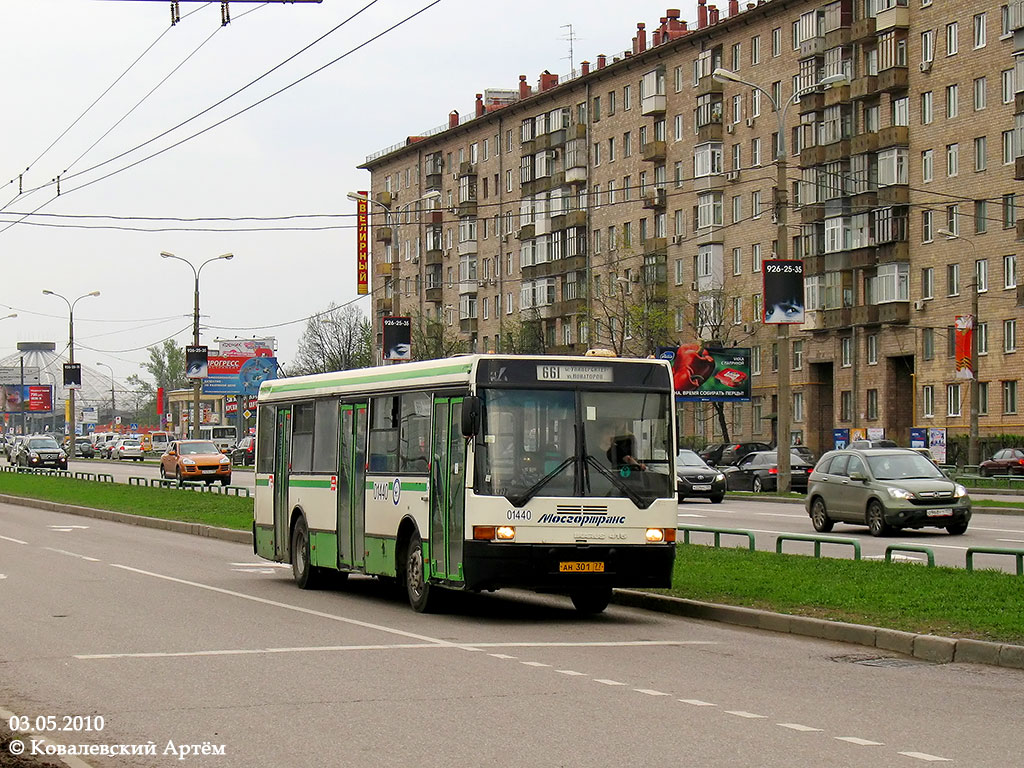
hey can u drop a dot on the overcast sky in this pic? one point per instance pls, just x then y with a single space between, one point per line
293 155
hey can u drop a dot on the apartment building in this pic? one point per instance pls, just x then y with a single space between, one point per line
631 205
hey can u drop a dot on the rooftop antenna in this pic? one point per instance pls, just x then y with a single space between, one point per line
570 37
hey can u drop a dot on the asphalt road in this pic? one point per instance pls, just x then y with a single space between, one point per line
767 520
122 470
173 638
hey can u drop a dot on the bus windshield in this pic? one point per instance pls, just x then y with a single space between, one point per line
565 443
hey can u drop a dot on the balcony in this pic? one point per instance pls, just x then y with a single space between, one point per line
897 17
812 156
863 142
894 136
864 258
467 248
527 232
467 169
652 105
810 214
435 217
656 245
435 295
866 315
864 87
889 252
837 37
569 307
837 150
434 258
576 175
653 152
862 29
434 180
467 208
814 320
574 218
711 131
895 312
836 94
894 194
384 305
814 46
838 318
467 325
383 235
1016 20
812 101
384 269
814 265
862 201
893 79
1018 169
656 200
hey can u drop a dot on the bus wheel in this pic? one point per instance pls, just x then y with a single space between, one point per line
306 575
422 596
591 601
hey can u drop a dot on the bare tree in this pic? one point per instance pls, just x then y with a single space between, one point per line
524 336
433 340
338 340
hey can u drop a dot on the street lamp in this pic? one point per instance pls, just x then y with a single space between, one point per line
111 393
973 455
5 317
781 203
196 383
71 357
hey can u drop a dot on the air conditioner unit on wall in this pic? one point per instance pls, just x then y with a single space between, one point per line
926 66
730 128
732 175
750 122
919 305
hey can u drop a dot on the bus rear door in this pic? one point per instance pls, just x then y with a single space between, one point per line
447 490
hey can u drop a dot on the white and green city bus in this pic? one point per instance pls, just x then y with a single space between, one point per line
474 472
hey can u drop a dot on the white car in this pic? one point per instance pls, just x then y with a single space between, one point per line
127 448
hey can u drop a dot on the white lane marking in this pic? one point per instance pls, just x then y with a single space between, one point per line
69 760
926 757
3 575
698 702
938 546
255 570
801 728
860 742
690 514
571 672
1016 541
780 514
71 554
501 656
296 608
534 664
741 713
649 692
66 528
253 651
608 682
264 564
594 644
896 557
16 541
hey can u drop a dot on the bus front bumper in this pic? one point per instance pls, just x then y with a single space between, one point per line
491 565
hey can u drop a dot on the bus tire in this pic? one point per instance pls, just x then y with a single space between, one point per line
422 595
306 575
592 600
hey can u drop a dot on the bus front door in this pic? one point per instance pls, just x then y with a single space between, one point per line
351 485
447 490
283 436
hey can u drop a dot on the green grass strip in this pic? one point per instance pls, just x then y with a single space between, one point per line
952 602
166 503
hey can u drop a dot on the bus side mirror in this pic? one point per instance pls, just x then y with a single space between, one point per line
470 416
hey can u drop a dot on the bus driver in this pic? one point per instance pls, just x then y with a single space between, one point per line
620 445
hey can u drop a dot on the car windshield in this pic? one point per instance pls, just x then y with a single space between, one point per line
903 466
130 443
42 442
689 459
191 449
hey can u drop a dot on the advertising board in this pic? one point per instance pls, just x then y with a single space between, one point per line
238 375
711 374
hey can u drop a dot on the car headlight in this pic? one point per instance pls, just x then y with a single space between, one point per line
719 477
225 460
189 462
62 455
960 491
900 493
33 455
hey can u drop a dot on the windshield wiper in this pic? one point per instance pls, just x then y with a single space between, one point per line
532 491
617 482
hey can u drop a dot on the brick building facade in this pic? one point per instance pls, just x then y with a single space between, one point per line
631 205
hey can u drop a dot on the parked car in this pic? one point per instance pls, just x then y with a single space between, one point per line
103 448
126 448
1008 461
13 443
885 489
712 453
244 454
83 448
736 452
759 471
695 478
803 452
883 443
41 451
155 442
199 460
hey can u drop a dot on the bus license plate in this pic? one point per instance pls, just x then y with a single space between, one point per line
578 567
940 512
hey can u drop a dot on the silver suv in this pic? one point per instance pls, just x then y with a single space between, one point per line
885 489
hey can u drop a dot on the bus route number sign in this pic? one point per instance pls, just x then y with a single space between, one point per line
592 373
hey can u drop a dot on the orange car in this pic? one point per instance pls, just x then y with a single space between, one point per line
199 460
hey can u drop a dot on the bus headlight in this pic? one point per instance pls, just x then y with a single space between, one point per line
505 532
658 535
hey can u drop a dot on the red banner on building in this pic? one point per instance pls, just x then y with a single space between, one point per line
963 328
362 245
159 401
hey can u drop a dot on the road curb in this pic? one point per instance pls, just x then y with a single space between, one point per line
178 526
942 650
926 647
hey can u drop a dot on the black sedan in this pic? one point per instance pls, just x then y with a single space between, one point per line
41 452
695 478
759 471
244 454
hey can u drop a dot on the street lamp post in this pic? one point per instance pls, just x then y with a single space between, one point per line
389 215
71 359
781 205
111 393
197 383
973 455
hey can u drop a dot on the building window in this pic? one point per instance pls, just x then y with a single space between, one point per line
798 406
952 159
981 275
846 351
979 30
928 343
928 45
926 108
952 43
845 405
1009 397
737 260
981 331
928 401
927 166
872 348
926 226
1009 211
1009 336
952 279
872 404
755 257
983 398
927 282
953 218
980 217
952 101
1010 271
798 355
952 399
980 94
980 160
755 360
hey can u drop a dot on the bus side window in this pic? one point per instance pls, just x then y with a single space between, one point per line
415 433
382 455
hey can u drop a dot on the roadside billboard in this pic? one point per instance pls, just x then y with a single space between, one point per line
783 282
247 347
397 333
196 366
238 375
32 398
14 375
711 374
